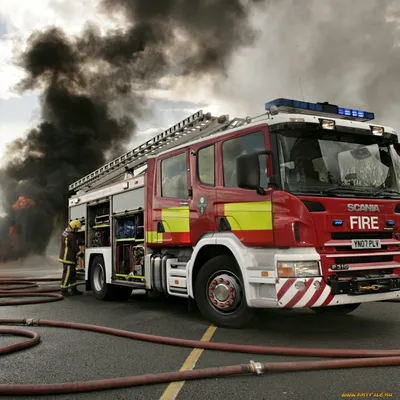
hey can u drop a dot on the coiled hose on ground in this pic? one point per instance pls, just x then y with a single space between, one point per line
361 358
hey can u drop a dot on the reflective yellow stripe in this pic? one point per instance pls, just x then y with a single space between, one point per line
66 261
154 237
64 284
176 219
251 216
66 248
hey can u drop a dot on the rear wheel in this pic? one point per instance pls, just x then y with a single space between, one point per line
219 293
101 289
341 309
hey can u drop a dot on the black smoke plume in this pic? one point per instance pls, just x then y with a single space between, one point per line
83 79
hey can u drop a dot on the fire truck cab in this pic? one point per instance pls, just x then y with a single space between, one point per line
298 207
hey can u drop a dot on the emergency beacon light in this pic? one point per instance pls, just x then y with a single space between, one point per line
326 108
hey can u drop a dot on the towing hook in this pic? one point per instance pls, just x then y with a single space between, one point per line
372 287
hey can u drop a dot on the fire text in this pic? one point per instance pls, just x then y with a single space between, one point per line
364 222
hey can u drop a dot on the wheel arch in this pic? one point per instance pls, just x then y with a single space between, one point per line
206 253
214 245
106 255
92 256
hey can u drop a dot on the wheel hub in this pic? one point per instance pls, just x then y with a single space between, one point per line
99 278
224 292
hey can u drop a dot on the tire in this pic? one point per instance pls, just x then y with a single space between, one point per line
342 309
235 315
101 289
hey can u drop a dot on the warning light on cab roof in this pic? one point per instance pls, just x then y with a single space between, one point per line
320 107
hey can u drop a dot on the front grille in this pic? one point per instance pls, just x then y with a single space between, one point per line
362 260
360 235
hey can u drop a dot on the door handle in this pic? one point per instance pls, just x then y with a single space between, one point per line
160 227
223 224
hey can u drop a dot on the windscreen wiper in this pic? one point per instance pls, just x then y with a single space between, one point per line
341 188
389 191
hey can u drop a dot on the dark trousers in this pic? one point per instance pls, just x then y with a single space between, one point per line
68 277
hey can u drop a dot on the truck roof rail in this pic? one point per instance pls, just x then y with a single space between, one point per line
195 126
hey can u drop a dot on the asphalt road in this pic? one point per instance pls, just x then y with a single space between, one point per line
68 355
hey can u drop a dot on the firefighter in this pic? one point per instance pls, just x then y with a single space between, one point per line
69 252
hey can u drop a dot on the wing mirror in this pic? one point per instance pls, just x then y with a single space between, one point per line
248 171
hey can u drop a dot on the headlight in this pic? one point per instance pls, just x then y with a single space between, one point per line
298 269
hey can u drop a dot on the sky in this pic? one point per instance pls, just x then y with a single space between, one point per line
289 58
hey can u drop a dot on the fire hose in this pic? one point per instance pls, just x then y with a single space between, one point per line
356 358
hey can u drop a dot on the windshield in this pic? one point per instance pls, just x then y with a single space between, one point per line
338 163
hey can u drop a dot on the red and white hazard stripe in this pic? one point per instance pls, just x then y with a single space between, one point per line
290 297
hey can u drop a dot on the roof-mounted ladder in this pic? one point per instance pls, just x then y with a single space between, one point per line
196 126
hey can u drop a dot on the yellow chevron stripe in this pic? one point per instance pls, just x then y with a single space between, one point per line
249 216
154 237
176 219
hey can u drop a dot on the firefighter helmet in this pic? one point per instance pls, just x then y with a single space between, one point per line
75 224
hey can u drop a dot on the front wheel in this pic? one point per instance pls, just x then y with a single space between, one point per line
219 293
341 309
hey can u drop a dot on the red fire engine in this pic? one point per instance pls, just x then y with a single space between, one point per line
298 207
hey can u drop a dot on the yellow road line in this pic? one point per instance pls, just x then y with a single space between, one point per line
174 388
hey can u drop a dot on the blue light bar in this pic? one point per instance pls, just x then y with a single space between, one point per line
320 107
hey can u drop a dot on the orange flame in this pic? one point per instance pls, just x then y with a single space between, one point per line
23 202
13 235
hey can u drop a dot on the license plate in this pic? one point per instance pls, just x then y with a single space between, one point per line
365 244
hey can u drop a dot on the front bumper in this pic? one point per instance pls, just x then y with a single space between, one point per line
359 286
314 292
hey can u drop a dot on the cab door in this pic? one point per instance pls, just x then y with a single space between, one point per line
244 212
203 168
170 216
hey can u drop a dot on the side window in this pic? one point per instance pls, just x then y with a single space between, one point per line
174 177
246 144
206 165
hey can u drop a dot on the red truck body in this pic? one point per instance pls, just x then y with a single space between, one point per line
237 229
